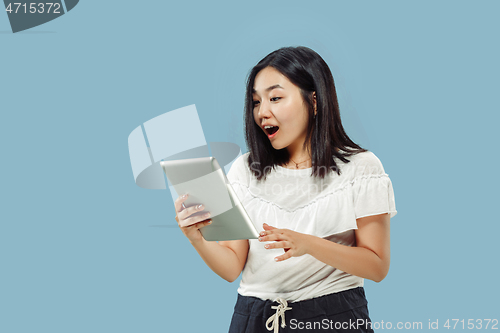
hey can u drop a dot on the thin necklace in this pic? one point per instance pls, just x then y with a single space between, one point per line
297 164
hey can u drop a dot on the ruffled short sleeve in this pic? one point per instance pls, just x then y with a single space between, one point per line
372 190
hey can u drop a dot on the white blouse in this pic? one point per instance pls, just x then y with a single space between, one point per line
327 208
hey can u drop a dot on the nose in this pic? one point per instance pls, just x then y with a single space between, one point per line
264 110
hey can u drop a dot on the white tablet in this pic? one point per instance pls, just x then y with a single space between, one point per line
206 183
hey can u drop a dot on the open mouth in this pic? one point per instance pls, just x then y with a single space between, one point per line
271 130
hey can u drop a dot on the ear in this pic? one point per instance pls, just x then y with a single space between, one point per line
314 102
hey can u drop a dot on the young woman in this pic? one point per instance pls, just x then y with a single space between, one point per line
324 204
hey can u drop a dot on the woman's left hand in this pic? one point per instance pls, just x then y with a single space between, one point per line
294 243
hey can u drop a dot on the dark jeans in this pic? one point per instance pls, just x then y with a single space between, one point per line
345 311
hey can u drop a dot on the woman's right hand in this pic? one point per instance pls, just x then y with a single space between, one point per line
184 217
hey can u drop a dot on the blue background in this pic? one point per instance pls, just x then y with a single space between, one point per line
84 249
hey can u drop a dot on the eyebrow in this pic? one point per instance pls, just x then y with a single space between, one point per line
269 88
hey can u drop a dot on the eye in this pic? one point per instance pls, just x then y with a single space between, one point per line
255 103
274 99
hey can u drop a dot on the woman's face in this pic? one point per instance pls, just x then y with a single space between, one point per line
278 102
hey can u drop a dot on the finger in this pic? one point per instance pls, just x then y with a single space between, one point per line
278 245
273 232
268 232
195 219
179 202
187 212
200 224
285 256
271 237
268 227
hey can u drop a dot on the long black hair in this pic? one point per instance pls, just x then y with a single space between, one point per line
308 71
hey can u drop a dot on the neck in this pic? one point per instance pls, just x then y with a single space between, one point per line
302 159
299 158
299 161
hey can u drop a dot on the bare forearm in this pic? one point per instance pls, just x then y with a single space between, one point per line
222 260
357 261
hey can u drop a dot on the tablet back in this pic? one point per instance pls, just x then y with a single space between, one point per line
207 184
